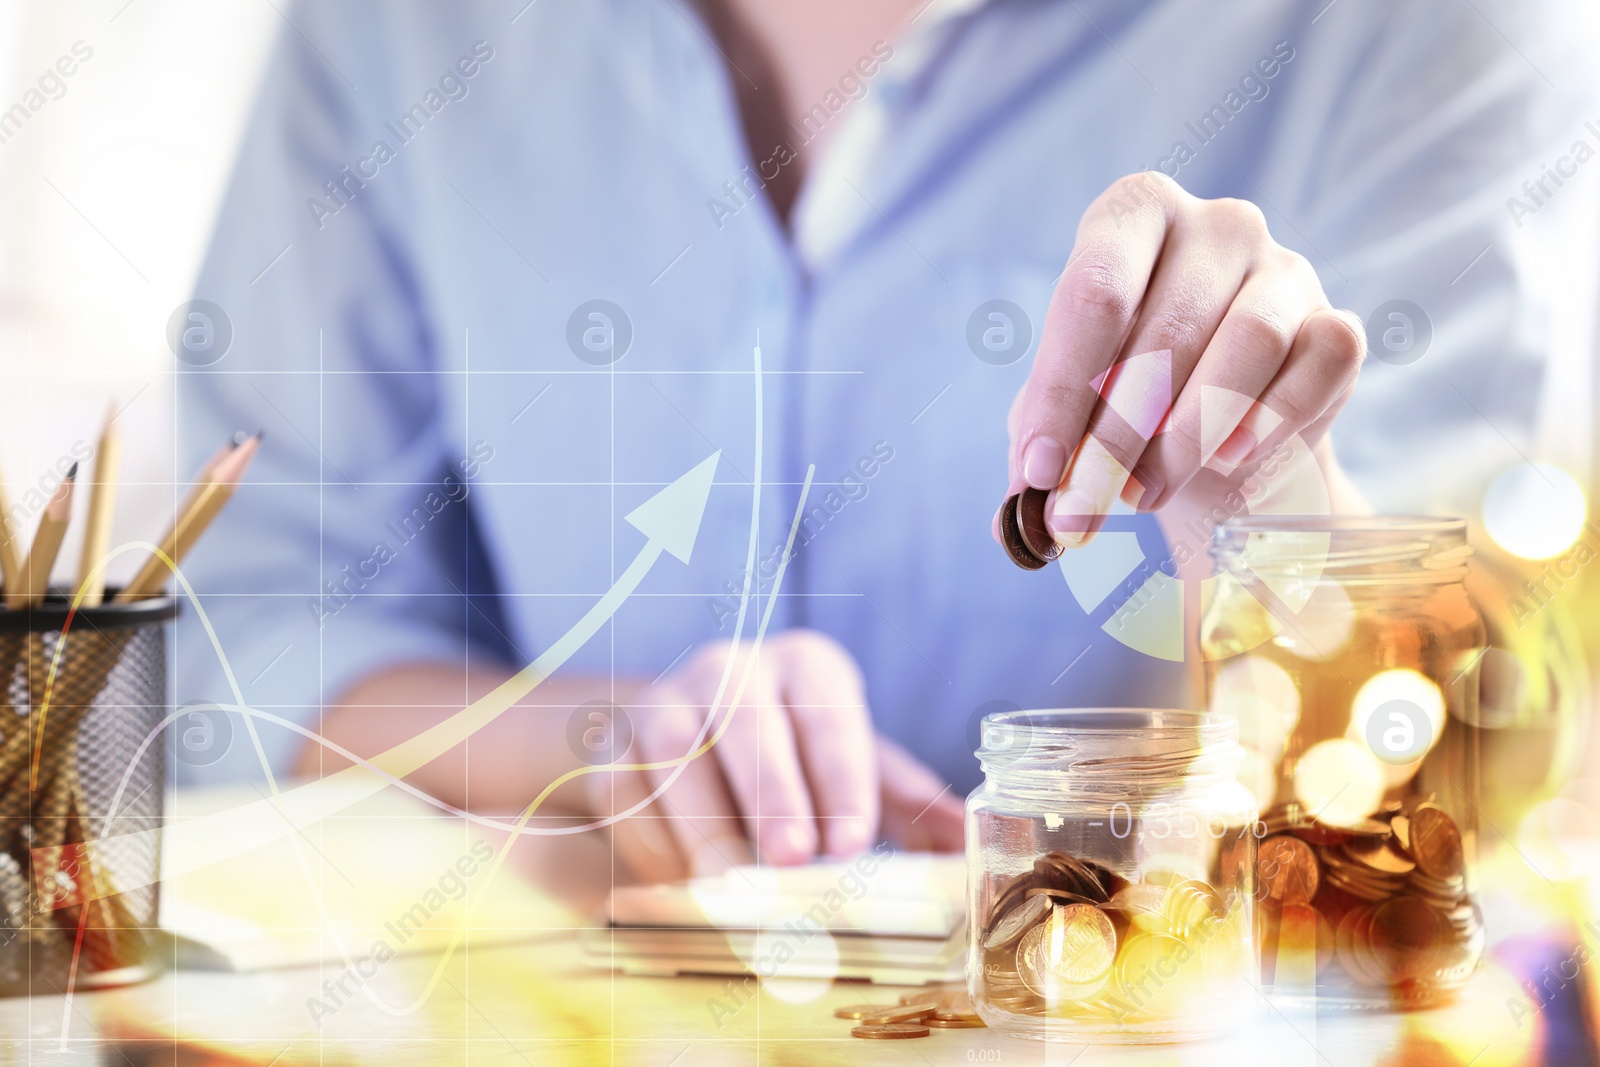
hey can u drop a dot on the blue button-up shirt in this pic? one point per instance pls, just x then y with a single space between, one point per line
492 275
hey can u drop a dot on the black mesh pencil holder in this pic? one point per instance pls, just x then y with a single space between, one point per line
71 772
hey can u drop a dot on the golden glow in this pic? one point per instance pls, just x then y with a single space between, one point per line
1323 627
1339 782
1263 698
1534 510
1400 700
1560 839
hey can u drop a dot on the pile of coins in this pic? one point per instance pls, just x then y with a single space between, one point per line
1381 905
917 1015
1071 938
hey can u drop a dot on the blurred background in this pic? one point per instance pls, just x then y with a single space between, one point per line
107 192
109 180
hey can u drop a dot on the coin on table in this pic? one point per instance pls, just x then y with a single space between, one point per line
1011 537
903 1013
1018 921
955 1002
1031 524
859 1011
1436 843
1288 869
890 1031
954 1022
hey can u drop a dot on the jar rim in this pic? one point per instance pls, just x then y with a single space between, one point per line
1123 745
1344 524
1206 726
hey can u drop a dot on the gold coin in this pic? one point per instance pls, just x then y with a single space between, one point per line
1408 937
1080 943
1225 955
1346 941
1145 906
954 1022
1157 975
1190 906
1436 842
1059 895
902 1013
1401 825
1301 952
1068 959
890 1031
1288 869
1379 855
858 1011
1018 921
955 1002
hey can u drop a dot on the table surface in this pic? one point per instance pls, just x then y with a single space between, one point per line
536 1003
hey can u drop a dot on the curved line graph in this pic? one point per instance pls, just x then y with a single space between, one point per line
388 768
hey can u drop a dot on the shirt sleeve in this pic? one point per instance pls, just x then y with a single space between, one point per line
1436 170
344 549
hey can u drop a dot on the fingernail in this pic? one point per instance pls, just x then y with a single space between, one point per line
1092 486
792 843
1071 516
846 837
1235 450
994 527
1043 462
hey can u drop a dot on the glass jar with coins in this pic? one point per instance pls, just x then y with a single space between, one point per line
1111 865
1347 650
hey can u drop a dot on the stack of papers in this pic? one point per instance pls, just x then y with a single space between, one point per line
895 919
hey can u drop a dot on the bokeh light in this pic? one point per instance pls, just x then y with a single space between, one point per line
1397 715
1263 698
1338 782
1534 510
1560 839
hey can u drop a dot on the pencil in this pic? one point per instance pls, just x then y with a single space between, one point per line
102 506
10 562
46 546
202 506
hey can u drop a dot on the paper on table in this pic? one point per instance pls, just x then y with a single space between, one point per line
904 895
390 869
899 920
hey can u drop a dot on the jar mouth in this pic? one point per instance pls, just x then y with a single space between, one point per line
1357 549
1135 743
1423 525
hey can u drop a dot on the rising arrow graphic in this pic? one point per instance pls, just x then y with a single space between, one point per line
670 521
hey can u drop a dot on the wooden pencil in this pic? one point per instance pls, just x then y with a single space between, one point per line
202 507
10 559
102 508
46 546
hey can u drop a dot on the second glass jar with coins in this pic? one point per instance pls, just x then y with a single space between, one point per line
1348 651
1111 857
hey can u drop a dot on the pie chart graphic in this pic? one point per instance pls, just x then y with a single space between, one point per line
1126 578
